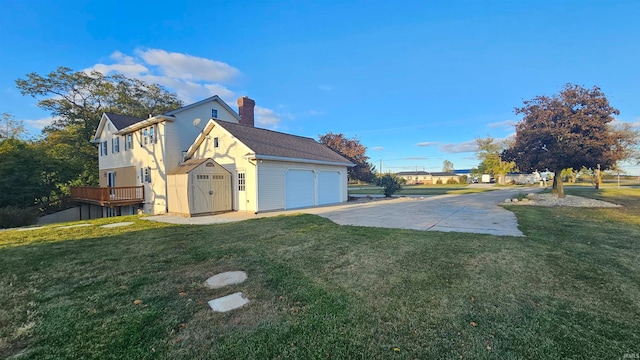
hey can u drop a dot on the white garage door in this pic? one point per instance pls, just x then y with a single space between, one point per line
328 187
299 189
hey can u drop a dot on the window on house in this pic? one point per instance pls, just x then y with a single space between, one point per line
216 143
115 145
152 135
241 182
214 113
147 174
103 148
128 144
145 136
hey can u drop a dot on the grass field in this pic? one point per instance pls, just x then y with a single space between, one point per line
570 289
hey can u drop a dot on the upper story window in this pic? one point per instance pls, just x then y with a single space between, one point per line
152 135
103 148
149 135
115 145
214 113
216 142
128 143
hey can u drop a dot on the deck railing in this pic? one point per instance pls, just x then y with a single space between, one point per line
108 195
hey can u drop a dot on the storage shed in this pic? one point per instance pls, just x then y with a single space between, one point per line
199 187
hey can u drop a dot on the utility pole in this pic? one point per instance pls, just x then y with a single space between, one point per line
380 166
598 177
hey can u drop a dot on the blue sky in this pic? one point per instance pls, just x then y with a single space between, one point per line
415 81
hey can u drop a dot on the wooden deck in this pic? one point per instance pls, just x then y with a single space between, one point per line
108 196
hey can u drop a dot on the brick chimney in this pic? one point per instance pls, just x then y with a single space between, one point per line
245 109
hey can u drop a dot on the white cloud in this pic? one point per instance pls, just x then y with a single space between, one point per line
377 148
633 124
39 124
509 124
416 158
267 117
178 65
427 143
192 78
468 146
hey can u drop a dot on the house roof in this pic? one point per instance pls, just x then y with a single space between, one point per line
215 98
410 173
122 121
125 124
273 145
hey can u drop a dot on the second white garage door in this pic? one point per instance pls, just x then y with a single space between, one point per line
299 189
328 187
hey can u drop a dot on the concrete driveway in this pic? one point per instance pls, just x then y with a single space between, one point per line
469 213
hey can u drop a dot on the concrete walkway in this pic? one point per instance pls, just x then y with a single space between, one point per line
469 213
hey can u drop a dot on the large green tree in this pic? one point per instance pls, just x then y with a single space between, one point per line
353 150
488 152
571 129
25 173
76 100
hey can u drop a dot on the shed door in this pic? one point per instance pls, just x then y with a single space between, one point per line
328 187
221 188
201 193
299 189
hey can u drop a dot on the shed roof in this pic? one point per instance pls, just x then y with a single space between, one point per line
187 166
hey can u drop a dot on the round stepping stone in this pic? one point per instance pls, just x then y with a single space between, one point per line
228 303
226 278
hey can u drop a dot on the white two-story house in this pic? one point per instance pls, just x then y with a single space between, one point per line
191 160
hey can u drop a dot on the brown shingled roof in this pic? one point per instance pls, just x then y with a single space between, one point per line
272 143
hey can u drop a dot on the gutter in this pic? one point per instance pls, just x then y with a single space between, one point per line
147 122
296 160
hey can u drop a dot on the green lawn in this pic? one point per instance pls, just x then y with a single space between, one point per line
570 289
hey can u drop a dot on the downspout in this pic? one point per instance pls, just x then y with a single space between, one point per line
256 187
163 144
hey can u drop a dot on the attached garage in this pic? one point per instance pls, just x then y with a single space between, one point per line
199 187
273 171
